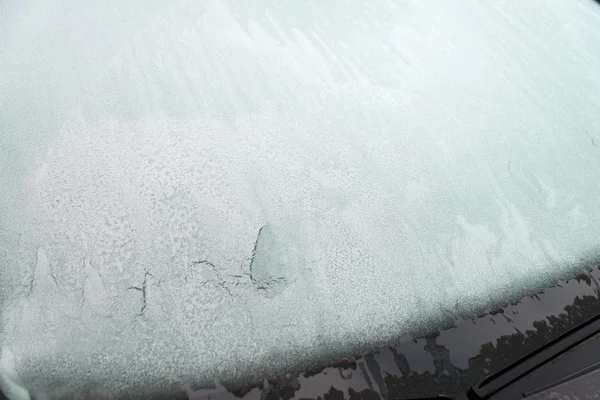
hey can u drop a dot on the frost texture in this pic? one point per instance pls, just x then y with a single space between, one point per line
220 189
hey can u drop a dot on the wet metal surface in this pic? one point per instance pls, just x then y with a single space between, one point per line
446 362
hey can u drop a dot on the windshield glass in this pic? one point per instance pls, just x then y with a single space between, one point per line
228 189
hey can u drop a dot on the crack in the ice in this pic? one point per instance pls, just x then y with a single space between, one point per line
268 284
54 278
237 279
220 281
263 284
222 284
206 262
143 290
32 281
253 255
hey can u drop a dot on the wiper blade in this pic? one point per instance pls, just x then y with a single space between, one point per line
511 380
591 371
564 364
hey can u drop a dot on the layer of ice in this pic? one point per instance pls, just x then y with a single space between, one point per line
226 189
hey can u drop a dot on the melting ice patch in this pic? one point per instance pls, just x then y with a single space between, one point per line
228 190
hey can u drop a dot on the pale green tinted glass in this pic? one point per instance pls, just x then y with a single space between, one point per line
227 189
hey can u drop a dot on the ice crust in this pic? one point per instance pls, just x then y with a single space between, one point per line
229 189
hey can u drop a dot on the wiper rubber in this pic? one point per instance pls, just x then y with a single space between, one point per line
496 383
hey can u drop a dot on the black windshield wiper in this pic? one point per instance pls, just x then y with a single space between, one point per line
567 365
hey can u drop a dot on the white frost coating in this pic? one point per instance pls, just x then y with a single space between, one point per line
398 159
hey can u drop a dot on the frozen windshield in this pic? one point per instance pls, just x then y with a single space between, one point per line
228 189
